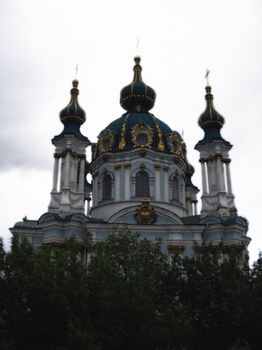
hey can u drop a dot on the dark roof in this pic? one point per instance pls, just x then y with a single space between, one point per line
128 120
26 224
137 96
191 220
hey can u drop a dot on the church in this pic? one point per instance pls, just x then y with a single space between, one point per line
142 179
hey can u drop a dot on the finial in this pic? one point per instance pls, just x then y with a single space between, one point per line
76 71
137 59
75 83
206 76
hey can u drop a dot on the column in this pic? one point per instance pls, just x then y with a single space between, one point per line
189 207
166 184
88 207
204 177
157 182
117 183
212 176
220 175
81 176
183 192
55 174
228 175
94 194
127 181
73 175
67 169
195 207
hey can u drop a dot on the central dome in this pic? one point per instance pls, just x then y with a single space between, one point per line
138 128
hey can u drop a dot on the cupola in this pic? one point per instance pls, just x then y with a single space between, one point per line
211 121
137 96
72 116
210 117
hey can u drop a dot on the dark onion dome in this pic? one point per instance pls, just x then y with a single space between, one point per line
72 116
188 175
73 113
211 121
137 96
189 172
210 117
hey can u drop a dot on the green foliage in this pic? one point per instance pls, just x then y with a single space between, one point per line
128 297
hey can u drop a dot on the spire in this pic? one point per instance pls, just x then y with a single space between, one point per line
73 113
137 96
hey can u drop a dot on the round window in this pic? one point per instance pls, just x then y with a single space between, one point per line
106 144
142 139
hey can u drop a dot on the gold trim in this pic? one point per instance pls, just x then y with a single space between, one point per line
142 167
103 136
160 144
118 166
122 142
145 215
142 129
175 143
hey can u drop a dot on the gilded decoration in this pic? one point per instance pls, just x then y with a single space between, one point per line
175 142
105 141
142 136
145 214
160 144
172 248
122 142
142 167
117 166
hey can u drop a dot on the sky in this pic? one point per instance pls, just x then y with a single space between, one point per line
41 43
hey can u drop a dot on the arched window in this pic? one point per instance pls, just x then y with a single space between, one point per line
175 188
106 187
142 184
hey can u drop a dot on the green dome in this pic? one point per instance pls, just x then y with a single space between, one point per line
137 96
141 131
210 117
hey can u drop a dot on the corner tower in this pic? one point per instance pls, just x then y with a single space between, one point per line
217 196
69 191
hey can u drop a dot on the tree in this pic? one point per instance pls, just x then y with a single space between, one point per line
213 284
129 310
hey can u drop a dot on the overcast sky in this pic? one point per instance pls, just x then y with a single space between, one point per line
42 41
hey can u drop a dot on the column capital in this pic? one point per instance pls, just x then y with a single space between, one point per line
118 166
227 161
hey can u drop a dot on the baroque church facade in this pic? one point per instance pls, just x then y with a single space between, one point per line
141 179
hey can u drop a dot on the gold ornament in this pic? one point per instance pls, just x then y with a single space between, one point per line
145 215
175 143
122 142
105 141
142 136
160 145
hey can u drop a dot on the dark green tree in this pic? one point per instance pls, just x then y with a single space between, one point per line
213 285
129 308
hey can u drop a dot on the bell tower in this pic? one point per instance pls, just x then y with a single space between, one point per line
217 197
69 190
